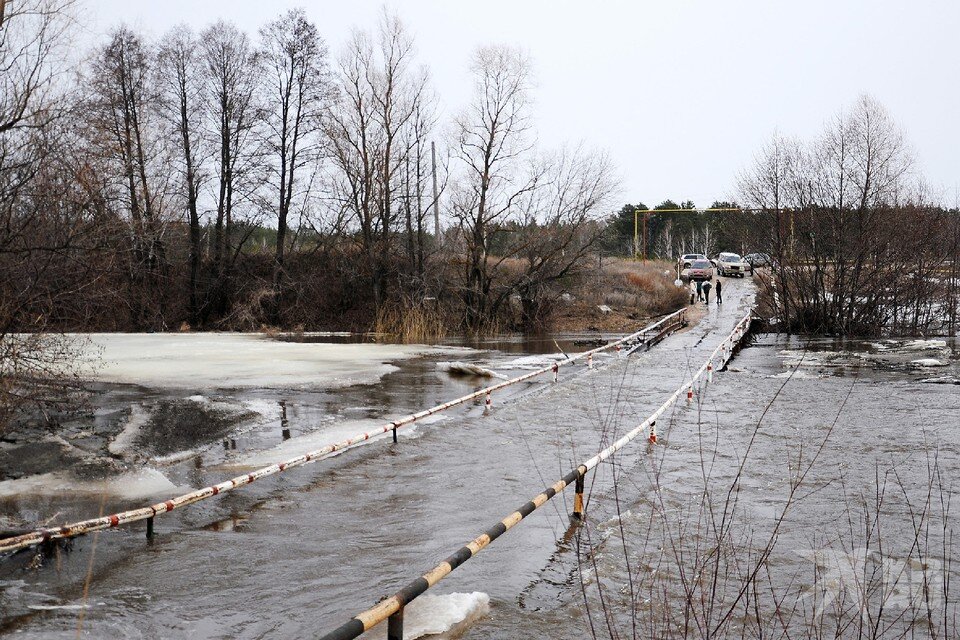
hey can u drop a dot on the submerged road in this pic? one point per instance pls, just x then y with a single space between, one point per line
300 553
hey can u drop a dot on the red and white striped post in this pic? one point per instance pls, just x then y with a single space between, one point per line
556 372
710 371
653 432
589 361
689 394
488 403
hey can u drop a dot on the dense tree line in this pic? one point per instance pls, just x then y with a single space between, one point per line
215 179
670 230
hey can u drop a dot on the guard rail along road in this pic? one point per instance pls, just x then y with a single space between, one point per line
391 609
648 336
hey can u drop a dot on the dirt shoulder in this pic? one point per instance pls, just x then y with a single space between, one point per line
618 297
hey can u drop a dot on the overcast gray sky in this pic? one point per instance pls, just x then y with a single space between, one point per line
681 93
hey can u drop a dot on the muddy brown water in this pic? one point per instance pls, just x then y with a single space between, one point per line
299 553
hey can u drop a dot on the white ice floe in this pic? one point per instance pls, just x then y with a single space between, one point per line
125 440
925 345
941 380
231 360
174 458
134 485
431 615
532 362
469 369
928 362
267 409
294 447
799 375
332 434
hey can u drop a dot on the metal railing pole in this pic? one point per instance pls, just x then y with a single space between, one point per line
578 498
395 626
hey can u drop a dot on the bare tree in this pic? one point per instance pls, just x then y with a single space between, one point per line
552 233
231 75
377 132
179 83
33 35
493 134
47 247
296 88
417 183
857 245
122 111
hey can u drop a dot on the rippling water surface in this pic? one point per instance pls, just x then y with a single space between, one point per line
300 553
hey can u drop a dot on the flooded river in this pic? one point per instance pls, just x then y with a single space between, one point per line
779 457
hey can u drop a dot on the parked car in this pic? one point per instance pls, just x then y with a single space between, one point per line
699 270
688 259
757 260
731 265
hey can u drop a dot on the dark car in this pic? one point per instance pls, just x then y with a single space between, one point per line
757 259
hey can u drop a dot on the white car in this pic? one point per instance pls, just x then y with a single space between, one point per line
688 259
731 265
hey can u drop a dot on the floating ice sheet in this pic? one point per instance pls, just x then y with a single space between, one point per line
203 361
134 485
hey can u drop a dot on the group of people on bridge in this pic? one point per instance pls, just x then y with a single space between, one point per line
703 291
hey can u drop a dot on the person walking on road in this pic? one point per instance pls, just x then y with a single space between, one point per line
699 290
706 291
719 292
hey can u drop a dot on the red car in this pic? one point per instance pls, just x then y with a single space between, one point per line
699 270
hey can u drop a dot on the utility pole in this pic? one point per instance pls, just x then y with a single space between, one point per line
436 197
645 216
